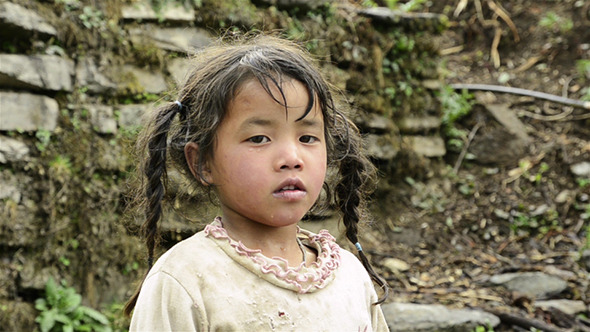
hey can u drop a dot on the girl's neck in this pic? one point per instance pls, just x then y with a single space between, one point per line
272 241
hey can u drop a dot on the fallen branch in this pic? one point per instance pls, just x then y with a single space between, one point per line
527 323
556 117
523 92
465 147
504 15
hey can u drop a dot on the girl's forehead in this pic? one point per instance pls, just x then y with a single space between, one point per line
284 91
289 97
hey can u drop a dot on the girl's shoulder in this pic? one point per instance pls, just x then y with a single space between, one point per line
196 253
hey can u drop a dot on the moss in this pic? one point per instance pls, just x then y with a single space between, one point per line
17 316
229 13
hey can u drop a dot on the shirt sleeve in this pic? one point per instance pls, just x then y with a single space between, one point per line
165 305
379 323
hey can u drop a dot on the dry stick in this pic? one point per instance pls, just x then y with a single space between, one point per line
502 13
460 6
465 147
523 92
527 323
556 117
494 48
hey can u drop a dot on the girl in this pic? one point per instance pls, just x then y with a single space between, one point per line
258 126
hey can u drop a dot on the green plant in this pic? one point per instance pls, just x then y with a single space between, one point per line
369 3
44 136
537 177
585 215
587 245
412 5
583 68
409 6
556 23
481 328
542 224
582 183
69 4
117 318
61 310
91 17
454 107
60 167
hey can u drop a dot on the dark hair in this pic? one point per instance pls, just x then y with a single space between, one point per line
219 72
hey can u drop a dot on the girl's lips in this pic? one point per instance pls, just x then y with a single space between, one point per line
290 189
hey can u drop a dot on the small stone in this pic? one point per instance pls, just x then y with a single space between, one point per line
533 284
585 259
395 265
563 196
12 150
581 169
419 124
410 317
427 146
170 11
502 214
147 81
17 20
36 72
180 69
89 75
432 84
132 115
382 147
540 210
102 118
186 40
28 112
567 306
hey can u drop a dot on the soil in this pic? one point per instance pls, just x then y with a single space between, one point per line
513 207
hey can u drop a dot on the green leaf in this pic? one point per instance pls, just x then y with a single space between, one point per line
68 328
63 319
85 328
97 316
51 292
41 305
71 301
47 320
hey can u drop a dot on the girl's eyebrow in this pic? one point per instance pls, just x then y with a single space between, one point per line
311 123
261 122
256 122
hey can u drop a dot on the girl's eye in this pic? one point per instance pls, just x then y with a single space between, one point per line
259 139
308 139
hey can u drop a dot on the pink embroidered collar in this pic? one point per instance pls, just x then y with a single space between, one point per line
301 279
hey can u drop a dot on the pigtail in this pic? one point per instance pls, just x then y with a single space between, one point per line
357 172
154 144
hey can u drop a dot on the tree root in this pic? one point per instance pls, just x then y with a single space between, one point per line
523 92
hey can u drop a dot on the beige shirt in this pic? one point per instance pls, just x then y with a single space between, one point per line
210 282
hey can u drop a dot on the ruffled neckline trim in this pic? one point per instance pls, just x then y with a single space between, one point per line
301 279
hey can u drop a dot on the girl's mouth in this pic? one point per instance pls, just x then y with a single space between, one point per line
286 188
290 190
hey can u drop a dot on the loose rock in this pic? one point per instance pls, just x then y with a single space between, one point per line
28 112
36 72
17 20
534 284
12 150
409 317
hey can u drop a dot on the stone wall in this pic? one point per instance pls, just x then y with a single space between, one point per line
76 79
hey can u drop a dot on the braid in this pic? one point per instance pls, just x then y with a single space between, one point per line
154 169
357 173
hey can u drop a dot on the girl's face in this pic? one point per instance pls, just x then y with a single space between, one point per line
267 167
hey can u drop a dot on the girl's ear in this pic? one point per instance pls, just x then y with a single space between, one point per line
191 154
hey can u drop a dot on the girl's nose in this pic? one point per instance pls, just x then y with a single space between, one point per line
289 158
